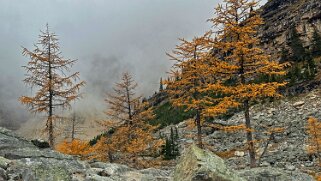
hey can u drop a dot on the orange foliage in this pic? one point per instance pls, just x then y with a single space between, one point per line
234 128
314 141
189 78
128 118
239 61
75 147
46 71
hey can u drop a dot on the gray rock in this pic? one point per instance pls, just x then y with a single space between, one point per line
269 173
290 167
40 143
20 159
265 164
298 104
201 165
4 163
3 175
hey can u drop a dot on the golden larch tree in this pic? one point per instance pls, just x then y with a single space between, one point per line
47 72
241 60
123 102
189 78
74 147
128 118
314 141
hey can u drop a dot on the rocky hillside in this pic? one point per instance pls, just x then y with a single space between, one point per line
286 150
21 160
281 15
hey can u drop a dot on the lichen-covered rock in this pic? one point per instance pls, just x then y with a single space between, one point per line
201 165
4 163
269 173
21 159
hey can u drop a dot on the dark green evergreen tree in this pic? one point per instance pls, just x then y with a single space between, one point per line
171 150
175 146
298 51
310 68
161 86
294 74
167 149
284 55
316 44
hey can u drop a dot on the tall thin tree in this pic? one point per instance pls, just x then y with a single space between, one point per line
46 71
242 60
189 79
123 102
128 117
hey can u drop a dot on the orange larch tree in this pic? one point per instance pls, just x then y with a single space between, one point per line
128 118
74 147
189 78
46 71
241 60
123 102
314 131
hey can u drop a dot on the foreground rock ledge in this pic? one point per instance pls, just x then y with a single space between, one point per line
22 160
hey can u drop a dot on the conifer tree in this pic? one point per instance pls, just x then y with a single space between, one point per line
47 72
171 150
161 86
310 67
298 51
73 126
284 55
189 79
242 60
128 118
74 147
314 141
123 103
316 44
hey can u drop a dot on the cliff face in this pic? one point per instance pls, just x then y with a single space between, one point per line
282 15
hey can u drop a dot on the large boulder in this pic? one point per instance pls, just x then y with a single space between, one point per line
202 165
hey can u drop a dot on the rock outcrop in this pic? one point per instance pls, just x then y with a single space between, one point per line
202 165
20 160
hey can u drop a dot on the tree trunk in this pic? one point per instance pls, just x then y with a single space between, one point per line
110 156
73 127
50 132
199 129
130 117
50 113
249 135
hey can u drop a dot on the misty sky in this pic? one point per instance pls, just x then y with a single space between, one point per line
106 36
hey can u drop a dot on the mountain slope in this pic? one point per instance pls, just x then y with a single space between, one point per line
282 15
